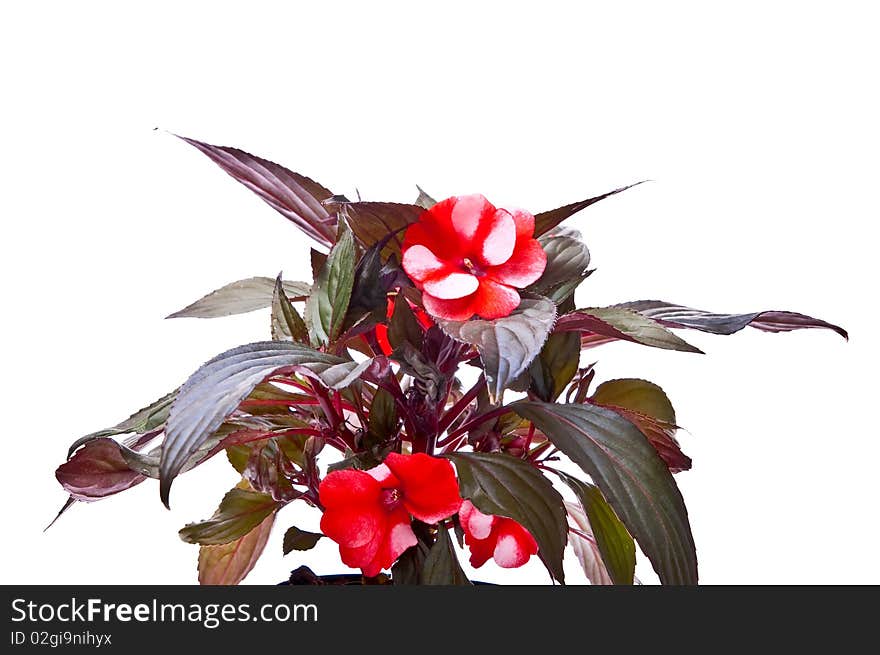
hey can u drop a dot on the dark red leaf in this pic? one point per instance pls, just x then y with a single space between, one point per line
294 196
97 470
546 221
679 316
660 435
622 323
372 222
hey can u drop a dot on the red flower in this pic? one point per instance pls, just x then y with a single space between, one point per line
503 539
469 258
382 330
368 512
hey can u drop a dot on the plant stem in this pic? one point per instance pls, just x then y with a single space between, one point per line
456 410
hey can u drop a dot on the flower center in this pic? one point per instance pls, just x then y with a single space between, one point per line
473 270
390 499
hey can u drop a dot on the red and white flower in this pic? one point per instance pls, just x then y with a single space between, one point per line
496 537
368 512
469 257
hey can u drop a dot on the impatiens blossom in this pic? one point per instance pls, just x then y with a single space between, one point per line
500 538
368 512
469 257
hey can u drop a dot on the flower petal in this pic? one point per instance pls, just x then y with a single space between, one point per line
494 300
449 286
434 230
459 309
398 537
428 485
344 488
363 557
497 239
352 526
420 263
525 224
525 266
481 550
474 522
383 475
468 214
514 544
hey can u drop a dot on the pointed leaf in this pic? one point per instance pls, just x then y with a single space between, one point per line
506 486
625 324
328 303
369 296
507 345
585 548
568 259
441 565
228 564
214 391
638 395
296 197
239 298
555 366
424 200
240 511
286 321
96 471
697 319
296 539
404 327
148 420
372 222
661 435
615 543
631 476
546 221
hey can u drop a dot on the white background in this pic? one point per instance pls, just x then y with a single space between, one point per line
758 125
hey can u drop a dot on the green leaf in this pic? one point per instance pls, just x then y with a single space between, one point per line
615 543
228 564
546 221
215 390
646 406
239 298
441 565
567 262
424 200
369 296
507 345
328 303
404 327
556 365
408 568
625 324
240 511
238 456
505 486
372 222
583 544
638 395
286 321
296 539
768 321
144 421
383 419
299 199
631 476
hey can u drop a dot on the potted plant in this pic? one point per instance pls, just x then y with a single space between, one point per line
425 388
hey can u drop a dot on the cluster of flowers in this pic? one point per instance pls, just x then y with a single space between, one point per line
368 513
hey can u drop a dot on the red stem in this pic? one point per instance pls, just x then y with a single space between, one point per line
456 410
